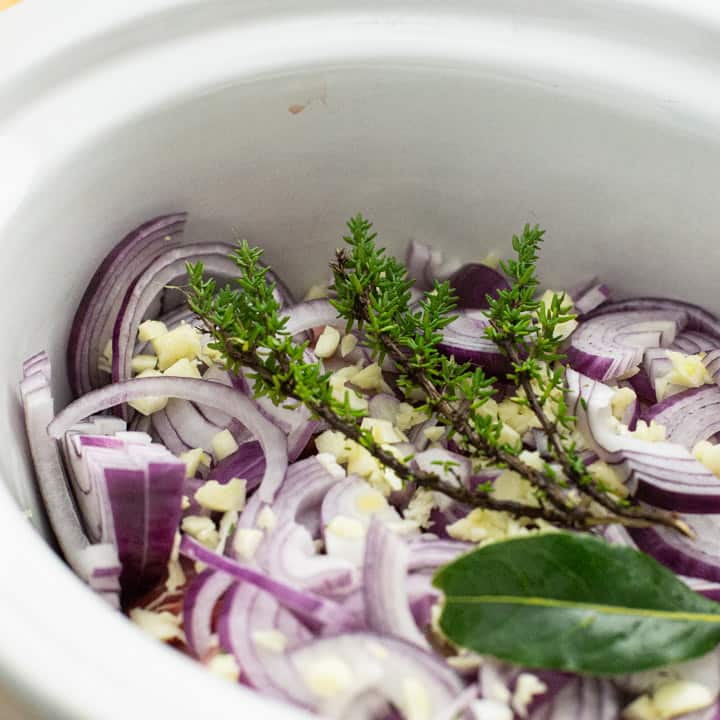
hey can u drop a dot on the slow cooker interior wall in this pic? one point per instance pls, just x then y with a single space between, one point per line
455 159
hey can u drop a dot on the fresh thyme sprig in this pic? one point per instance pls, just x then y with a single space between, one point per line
373 293
248 331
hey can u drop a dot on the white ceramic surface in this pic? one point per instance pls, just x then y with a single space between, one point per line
452 122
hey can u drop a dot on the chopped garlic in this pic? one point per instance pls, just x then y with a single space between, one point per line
670 700
176 575
416 700
152 403
654 432
709 455
151 329
420 507
182 342
370 501
223 444
183 368
519 417
383 431
486 525
342 394
225 666
161 625
246 542
527 686
346 527
361 462
184 502
193 459
688 371
223 498
486 709
434 433
334 443
509 435
330 464
511 486
327 677
407 416
266 519
143 362
621 400
202 529
327 343
606 475
348 344
370 378
271 640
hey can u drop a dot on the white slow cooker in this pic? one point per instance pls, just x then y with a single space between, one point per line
452 122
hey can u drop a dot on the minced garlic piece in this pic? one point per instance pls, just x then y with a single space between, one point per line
527 686
416 701
329 462
709 455
346 527
342 394
511 486
604 474
688 371
246 542
202 529
176 575
486 709
266 519
370 378
183 368
327 343
621 401
225 666
481 524
434 433
271 640
193 459
152 403
519 417
674 699
420 507
562 330
348 344
383 431
334 443
151 329
327 677
222 498
182 342
161 625
407 416
223 444
143 362
654 432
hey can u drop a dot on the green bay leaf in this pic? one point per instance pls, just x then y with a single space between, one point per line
573 602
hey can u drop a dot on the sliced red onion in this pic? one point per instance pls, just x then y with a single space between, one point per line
712 364
464 339
450 466
199 601
312 608
664 474
698 319
606 347
425 265
192 429
384 407
582 698
87 560
397 670
92 324
247 615
247 462
588 295
692 342
227 400
422 597
688 416
288 554
431 553
384 578
165 269
167 434
311 314
698 557
707 588
474 282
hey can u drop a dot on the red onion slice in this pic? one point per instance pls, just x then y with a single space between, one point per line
431 553
311 314
387 610
398 671
664 473
474 282
87 560
581 698
312 608
688 416
464 339
199 601
425 265
588 295
92 324
227 400
606 347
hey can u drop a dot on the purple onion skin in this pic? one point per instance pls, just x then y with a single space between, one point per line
474 282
